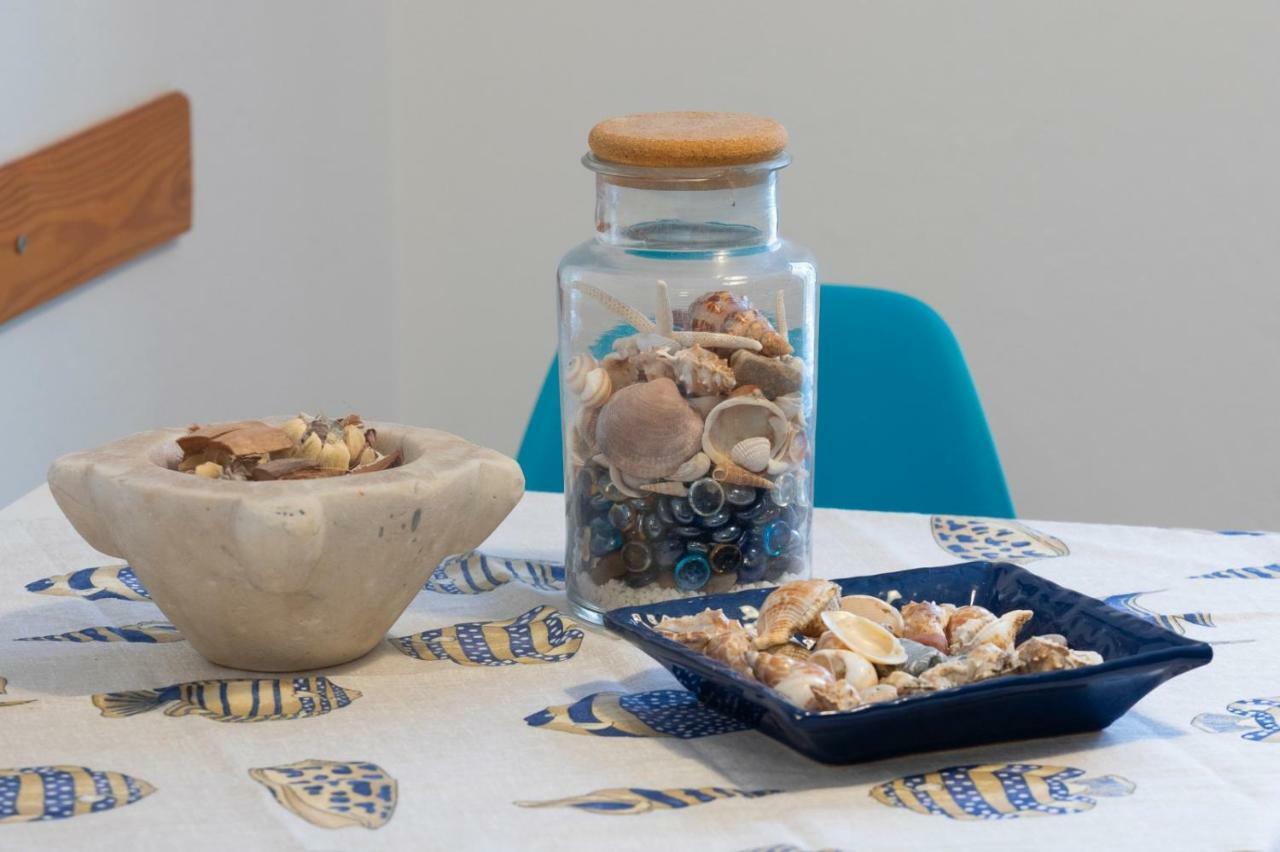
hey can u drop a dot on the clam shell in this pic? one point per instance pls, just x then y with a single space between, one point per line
865 637
739 418
575 372
884 614
596 388
849 666
794 608
647 430
671 489
695 468
752 454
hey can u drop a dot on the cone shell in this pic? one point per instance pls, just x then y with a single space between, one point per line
739 418
875 609
752 454
647 430
794 608
865 637
732 474
575 372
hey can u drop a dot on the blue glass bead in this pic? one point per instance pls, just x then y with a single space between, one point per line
688 532
728 532
667 552
681 511
783 492
725 558
754 562
692 572
612 492
637 579
748 514
600 505
664 512
778 538
698 547
781 565
706 496
604 537
639 503
739 495
768 514
717 519
652 526
621 515
636 556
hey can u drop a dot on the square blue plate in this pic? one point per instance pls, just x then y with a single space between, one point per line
1137 657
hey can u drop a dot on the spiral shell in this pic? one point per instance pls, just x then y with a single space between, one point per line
726 313
751 454
575 372
647 430
596 388
732 474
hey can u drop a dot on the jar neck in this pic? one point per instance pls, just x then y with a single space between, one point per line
686 210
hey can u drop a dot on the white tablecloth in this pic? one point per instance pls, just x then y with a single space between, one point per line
1196 765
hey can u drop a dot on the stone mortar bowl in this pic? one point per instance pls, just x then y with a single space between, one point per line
294 575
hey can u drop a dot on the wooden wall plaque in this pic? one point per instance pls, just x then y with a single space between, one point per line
75 209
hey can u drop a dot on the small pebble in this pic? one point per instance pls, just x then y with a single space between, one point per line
622 516
606 568
599 504
706 497
692 572
783 565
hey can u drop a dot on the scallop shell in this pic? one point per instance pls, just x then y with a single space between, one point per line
695 468
647 430
671 489
837 696
575 372
739 418
596 388
847 666
752 454
794 608
733 475
865 637
884 614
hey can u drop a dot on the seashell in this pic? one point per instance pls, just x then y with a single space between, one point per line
837 696
575 372
865 637
792 679
926 623
671 489
751 454
847 666
867 606
622 371
965 624
622 483
794 650
1003 632
1050 653
739 418
903 682
728 313
731 474
664 317
596 388
734 649
985 661
695 631
879 694
695 468
774 376
770 669
794 608
791 404
647 430
704 404
698 371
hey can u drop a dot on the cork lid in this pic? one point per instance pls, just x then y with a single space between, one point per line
687 139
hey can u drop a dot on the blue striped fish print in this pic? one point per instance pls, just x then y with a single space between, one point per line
37 793
146 632
242 700
540 635
1169 621
101 583
474 573
997 791
658 713
994 540
619 801
1261 572
1255 719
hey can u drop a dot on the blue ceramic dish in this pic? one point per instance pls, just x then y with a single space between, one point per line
1137 657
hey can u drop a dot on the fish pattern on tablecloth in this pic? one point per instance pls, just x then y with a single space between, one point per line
657 713
997 791
104 582
540 635
144 632
1260 572
993 539
36 793
1255 719
474 573
239 700
1128 602
626 801
333 793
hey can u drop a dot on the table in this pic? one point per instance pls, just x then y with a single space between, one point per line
1196 765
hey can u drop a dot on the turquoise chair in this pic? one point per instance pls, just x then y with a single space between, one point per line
900 427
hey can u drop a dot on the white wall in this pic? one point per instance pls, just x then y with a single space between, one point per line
283 294
1089 192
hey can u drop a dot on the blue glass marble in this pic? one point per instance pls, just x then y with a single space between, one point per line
754 560
600 504
652 526
728 532
706 497
638 579
667 552
636 556
622 515
784 490
725 558
739 495
781 565
613 492
688 532
716 519
692 572
778 538
604 537
698 547
681 511
664 512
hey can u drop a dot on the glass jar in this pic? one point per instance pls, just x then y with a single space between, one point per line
688 336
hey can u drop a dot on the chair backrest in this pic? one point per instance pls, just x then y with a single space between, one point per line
900 426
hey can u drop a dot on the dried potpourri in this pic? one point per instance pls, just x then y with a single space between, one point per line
305 447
